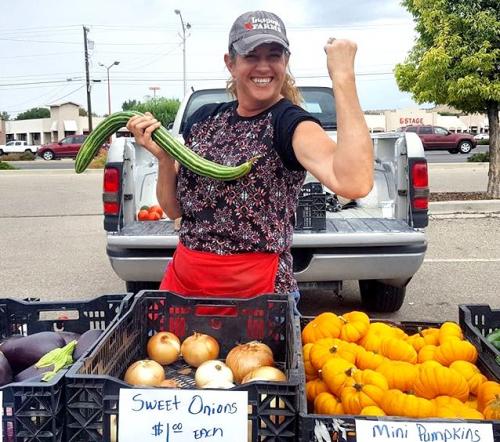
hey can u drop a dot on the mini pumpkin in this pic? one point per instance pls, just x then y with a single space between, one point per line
355 326
428 336
471 374
327 403
400 375
398 350
426 353
492 409
362 389
314 388
452 350
335 372
486 392
369 359
449 329
397 403
325 325
372 410
310 371
328 348
434 380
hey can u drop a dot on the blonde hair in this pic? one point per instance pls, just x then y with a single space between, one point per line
289 90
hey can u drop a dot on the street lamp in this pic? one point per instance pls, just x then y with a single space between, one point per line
109 87
184 27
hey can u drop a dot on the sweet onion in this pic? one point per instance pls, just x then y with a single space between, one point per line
213 371
265 374
199 348
145 372
244 358
164 348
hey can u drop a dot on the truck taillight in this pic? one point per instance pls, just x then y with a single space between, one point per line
111 191
420 185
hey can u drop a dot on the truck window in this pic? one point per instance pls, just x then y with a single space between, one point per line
440 131
425 130
317 100
412 129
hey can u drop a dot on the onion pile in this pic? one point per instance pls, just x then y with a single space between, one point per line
244 358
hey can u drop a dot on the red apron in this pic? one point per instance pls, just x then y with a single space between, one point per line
241 275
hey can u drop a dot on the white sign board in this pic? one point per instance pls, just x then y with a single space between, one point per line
175 415
394 431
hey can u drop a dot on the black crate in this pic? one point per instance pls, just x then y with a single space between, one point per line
311 208
34 411
93 385
477 321
323 428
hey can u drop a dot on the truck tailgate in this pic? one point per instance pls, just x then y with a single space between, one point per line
352 232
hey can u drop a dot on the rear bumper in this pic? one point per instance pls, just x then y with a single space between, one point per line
331 264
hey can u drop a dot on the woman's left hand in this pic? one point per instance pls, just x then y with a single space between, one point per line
340 56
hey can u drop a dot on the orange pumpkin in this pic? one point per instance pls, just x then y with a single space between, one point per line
314 388
363 388
327 403
368 359
492 409
335 372
398 350
325 325
397 403
486 392
434 380
372 341
449 329
400 375
355 326
327 348
428 336
471 374
450 407
311 372
452 350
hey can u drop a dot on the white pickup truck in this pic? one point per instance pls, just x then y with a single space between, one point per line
16 146
377 240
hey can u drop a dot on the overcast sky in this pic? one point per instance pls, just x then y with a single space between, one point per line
42 56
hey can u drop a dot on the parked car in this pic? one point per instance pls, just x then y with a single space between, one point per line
480 137
439 138
68 147
17 146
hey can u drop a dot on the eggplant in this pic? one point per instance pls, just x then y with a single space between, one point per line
25 351
5 370
31 373
86 341
69 336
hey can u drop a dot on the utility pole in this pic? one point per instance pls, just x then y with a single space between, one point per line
184 27
87 75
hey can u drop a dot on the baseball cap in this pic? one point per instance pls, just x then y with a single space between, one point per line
254 28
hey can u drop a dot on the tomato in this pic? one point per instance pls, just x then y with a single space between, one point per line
156 208
143 215
153 216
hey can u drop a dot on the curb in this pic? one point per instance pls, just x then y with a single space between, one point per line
455 207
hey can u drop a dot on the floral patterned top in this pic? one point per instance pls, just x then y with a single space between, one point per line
254 213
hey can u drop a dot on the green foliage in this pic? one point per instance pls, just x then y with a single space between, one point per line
33 113
4 116
163 109
6 166
82 112
480 157
455 60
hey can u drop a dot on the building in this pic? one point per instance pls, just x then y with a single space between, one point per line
64 120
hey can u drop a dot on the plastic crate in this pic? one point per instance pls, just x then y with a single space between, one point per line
323 428
311 208
93 385
34 411
477 321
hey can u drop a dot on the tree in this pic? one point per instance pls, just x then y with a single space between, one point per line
4 116
456 61
164 109
33 113
82 112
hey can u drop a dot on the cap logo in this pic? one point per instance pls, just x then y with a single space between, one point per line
263 23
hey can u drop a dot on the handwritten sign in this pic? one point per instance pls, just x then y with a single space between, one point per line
171 415
384 431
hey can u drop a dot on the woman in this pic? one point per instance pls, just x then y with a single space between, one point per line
236 236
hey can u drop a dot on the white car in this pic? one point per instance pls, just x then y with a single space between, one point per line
479 137
17 146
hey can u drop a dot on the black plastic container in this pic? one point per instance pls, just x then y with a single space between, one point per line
311 208
343 427
34 411
93 385
477 321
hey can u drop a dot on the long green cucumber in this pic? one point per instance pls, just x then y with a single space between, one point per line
167 142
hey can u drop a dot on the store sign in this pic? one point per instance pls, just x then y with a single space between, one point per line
174 415
404 121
